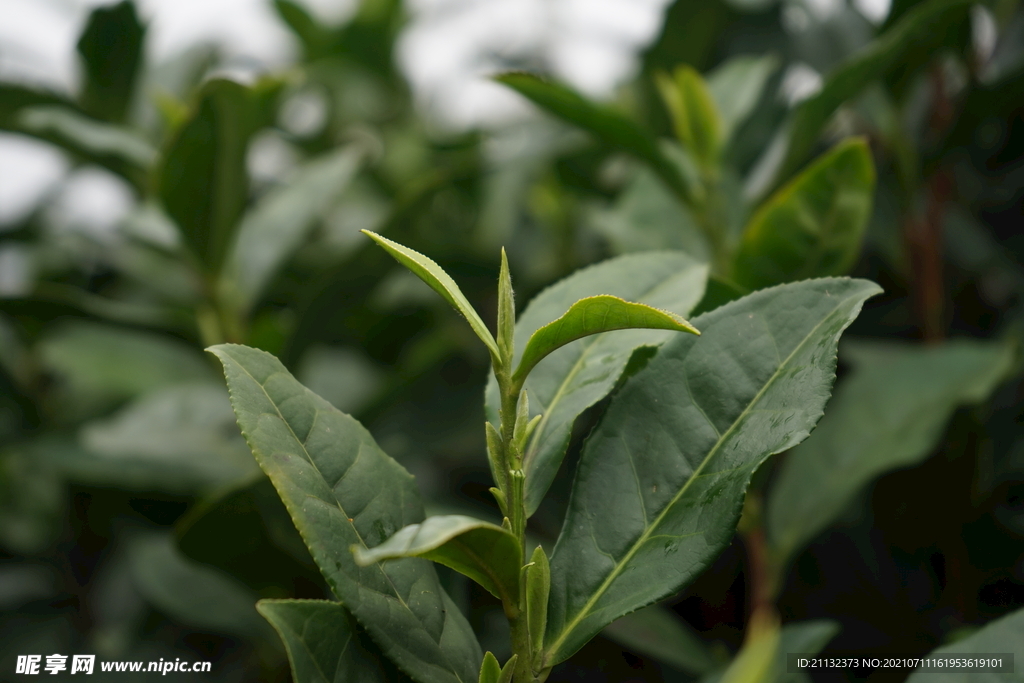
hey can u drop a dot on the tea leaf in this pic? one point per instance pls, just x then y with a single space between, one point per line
322 641
202 179
687 432
605 124
888 413
594 315
695 116
341 489
812 227
581 373
736 87
656 632
484 552
111 49
440 282
1002 635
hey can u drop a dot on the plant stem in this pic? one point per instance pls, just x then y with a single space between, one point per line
513 488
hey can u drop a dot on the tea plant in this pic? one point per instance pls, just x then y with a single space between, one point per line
658 489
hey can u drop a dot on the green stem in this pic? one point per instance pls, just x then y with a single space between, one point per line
513 488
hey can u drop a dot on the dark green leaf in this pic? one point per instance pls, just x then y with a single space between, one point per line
323 643
111 50
695 116
687 432
889 413
482 551
606 125
440 282
914 32
807 637
202 178
595 315
276 226
1004 635
580 374
812 227
14 98
342 489
656 632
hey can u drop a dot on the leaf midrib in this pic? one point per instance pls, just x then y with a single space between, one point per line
309 459
617 570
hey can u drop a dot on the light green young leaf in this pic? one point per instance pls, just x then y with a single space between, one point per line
812 227
605 124
484 552
538 589
1004 635
688 431
342 489
657 633
736 87
322 641
492 672
755 662
695 116
202 179
917 30
594 315
111 47
889 413
580 374
276 226
440 282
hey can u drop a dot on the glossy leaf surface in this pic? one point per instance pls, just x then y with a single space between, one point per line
484 552
322 641
814 226
440 282
595 315
202 180
341 489
889 413
605 124
687 433
580 374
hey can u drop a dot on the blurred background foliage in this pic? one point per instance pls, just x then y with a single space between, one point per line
134 523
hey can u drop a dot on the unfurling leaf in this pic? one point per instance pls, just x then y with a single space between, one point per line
812 227
492 672
581 373
687 432
538 588
695 117
442 283
484 552
594 315
506 311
